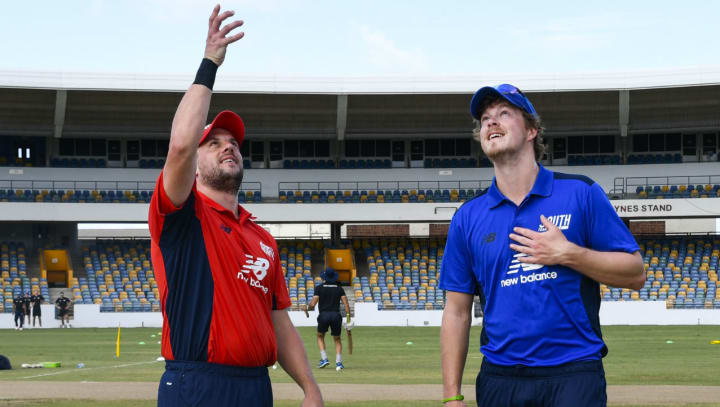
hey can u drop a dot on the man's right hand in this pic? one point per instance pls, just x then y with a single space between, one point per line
217 42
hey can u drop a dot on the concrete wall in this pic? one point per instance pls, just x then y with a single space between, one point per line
344 213
366 314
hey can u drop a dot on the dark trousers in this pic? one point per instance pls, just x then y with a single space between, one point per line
199 384
19 316
570 385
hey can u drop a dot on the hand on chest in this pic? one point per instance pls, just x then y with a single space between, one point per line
513 242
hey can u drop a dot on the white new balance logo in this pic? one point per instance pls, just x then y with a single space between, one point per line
516 265
268 250
259 266
561 221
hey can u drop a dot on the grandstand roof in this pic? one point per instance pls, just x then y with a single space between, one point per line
29 111
367 85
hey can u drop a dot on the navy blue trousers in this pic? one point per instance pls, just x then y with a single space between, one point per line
21 317
199 384
570 385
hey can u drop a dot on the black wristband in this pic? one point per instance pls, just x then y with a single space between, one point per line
206 74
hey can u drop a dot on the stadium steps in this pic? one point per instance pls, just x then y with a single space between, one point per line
361 264
33 267
318 256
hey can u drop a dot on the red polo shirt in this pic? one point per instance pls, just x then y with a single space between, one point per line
219 279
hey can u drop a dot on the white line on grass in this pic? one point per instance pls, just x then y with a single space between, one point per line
90 368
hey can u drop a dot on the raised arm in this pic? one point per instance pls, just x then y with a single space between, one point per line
191 114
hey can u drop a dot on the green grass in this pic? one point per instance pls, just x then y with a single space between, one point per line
94 347
383 356
638 355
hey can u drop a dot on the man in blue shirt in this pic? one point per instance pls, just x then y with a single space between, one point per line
534 247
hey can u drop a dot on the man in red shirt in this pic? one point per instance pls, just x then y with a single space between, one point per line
223 293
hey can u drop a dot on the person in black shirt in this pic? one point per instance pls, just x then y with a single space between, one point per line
36 300
26 306
329 294
19 312
63 306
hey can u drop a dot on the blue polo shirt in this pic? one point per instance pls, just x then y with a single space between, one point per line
535 315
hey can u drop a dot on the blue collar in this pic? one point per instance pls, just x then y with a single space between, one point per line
542 187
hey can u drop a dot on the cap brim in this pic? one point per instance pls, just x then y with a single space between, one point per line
479 97
229 121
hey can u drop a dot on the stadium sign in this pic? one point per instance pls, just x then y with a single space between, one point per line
658 208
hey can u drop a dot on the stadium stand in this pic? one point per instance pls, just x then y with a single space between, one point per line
296 260
403 274
339 191
682 271
654 158
15 280
118 277
252 195
593 160
377 196
398 273
451 162
81 163
677 191
75 196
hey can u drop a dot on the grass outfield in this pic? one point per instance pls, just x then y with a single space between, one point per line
638 355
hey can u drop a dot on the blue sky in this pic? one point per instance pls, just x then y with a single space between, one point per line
363 38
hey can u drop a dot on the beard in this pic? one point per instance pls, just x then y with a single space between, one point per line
220 180
503 153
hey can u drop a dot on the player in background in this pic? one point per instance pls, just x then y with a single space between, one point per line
27 306
63 303
329 295
534 246
19 312
37 299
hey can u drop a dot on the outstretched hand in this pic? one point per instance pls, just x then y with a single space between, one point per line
547 248
218 39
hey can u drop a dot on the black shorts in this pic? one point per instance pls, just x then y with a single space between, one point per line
329 319
62 312
569 385
36 312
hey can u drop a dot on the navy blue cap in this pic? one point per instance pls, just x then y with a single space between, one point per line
329 275
505 91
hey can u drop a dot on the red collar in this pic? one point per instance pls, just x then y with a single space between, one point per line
243 214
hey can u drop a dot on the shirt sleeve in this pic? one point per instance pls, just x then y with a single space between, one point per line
281 298
606 231
341 291
164 214
456 273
